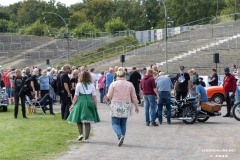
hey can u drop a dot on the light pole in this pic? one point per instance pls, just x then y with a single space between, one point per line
166 34
235 16
68 37
216 11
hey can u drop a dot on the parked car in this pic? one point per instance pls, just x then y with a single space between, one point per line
215 94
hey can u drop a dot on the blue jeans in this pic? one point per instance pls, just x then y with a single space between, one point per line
9 91
165 98
101 94
119 126
106 89
150 103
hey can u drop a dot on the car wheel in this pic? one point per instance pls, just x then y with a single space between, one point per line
218 98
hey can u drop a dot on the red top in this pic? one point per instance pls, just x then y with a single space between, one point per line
229 84
6 80
147 85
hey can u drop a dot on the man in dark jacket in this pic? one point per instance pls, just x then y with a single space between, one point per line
182 84
149 90
135 78
229 89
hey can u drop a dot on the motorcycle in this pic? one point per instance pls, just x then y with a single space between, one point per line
182 110
236 111
208 110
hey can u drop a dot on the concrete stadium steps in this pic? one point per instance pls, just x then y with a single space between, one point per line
201 43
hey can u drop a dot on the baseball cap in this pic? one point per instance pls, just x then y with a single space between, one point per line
226 69
182 67
144 69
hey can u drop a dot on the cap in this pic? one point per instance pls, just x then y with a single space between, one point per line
200 78
182 67
226 69
144 69
49 68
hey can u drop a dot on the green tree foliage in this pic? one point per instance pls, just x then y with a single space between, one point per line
37 29
30 11
136 14
83 29
76 19
99 11
114 25
3 25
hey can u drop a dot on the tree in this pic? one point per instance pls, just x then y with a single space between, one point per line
114 25
131 13
3 25
30 11
76 19
99 11
83 29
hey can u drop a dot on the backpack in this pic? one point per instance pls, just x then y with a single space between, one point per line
57 83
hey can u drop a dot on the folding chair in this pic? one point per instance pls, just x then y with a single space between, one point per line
32 106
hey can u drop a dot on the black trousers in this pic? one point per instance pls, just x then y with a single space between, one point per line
228 101
65 104
46 100
137 90
16 99
181 95
44 92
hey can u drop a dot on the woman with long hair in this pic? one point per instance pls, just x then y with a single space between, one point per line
18 83
121 94
84 105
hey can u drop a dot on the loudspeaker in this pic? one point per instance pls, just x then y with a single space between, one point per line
47 61
122 58
216 58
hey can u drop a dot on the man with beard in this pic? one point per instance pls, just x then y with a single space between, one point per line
229 89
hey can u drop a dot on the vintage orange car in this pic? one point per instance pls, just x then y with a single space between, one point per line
215 94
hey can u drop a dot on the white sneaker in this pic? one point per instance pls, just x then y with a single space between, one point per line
80 137
86 140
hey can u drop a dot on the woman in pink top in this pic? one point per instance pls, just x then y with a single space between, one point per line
101 86
121 94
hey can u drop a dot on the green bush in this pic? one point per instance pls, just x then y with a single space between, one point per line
37 29
114 25
3 25
84 29
12 27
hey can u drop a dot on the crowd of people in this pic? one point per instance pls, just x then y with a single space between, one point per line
119 87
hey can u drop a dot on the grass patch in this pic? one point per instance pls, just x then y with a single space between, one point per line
120 46
38 137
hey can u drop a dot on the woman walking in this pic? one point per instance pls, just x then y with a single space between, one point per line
101 86
121 94
84 106
18 83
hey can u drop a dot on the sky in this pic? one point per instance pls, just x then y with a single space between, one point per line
67 2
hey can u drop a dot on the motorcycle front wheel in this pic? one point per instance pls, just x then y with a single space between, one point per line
191 112
236 111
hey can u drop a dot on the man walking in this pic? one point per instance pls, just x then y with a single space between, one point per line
229 89
164 87
135 78
182 84
149 91
65 92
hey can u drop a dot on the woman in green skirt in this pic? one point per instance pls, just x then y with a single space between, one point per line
84 106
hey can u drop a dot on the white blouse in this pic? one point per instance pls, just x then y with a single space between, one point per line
89 90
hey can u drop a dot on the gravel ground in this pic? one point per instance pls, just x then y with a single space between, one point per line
215 139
